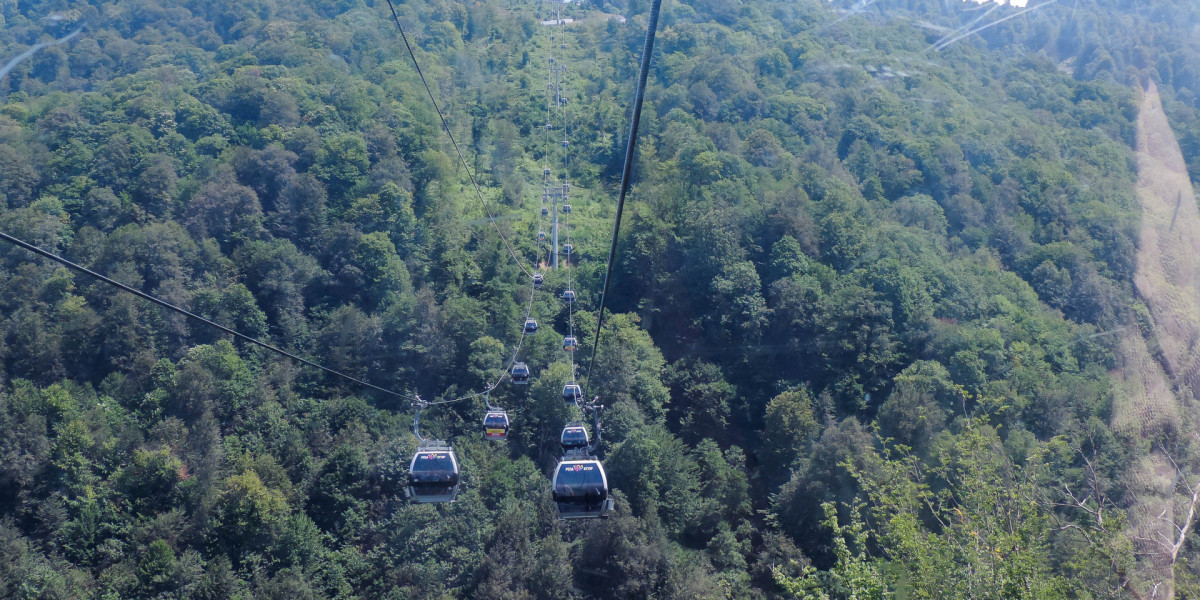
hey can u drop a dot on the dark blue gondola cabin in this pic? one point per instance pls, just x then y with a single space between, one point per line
433 474
520 373
574 436
580 489
530 327
572 393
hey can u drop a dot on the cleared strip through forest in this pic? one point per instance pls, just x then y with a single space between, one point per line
1154 398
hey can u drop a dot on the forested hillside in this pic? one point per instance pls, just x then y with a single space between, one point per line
864 336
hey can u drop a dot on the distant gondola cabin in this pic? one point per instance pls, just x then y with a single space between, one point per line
574 436
520 373
572 393
495 425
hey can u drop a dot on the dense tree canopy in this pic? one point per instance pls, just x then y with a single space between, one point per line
859 341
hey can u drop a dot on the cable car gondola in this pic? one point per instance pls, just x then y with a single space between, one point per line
530 327
567 208
538 280
569 343
495 424
568 248
541 236
520 373
568 295
545 211
572 393
546 171
574 435
433 474
580 487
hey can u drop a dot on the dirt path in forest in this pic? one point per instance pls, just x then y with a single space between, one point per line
1159 369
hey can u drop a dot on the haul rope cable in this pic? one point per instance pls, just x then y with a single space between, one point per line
505 373
639 95
554 100
566 135
191 315
482 201
446 127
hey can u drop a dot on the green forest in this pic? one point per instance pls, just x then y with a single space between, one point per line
862 339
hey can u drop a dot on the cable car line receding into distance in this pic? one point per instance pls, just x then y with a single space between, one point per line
490 218
555 100
528 271
436 478
579 485
449 134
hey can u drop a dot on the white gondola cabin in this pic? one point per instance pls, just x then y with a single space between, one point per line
574 436
495 425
